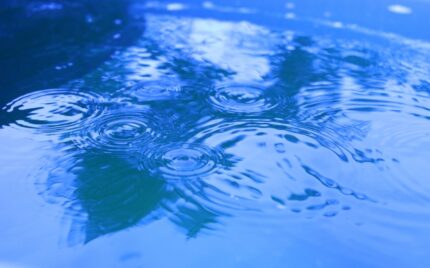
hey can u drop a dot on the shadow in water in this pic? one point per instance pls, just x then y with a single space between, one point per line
124 173
172 134
47 43
111 194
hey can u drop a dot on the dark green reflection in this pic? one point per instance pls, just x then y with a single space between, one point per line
112 194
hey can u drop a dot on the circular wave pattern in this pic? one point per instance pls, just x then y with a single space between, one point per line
182 161
315 156
154 90
57 110
235 131
122 131
258 150
243 98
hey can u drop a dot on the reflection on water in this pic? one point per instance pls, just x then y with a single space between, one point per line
106 193
55 109
181 161
205 120
120 130
243 98
47 43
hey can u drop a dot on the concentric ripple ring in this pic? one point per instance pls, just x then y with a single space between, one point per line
154 90
56 111
243 98
122 131
182 161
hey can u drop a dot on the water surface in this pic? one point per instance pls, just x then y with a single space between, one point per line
215 134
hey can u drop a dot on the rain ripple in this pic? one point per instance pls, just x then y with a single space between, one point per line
122 131
182 161
259 150
56 111
156 90
243 98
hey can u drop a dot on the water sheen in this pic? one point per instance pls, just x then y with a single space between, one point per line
121 130
181 161
226 136
56 110
238 98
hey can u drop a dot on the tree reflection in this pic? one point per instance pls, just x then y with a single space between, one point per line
114 192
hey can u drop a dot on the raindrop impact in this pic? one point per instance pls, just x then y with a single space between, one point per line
243 98
122 131
182 161
56 111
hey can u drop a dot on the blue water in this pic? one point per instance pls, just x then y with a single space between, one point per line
215 134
